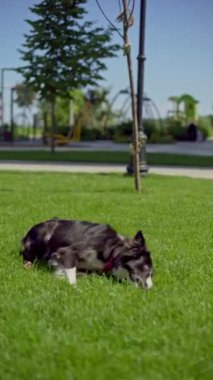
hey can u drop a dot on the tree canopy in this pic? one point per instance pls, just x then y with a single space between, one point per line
63 51
25 95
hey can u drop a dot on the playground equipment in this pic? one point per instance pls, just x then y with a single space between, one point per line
73 135
151 110
184 109
184 116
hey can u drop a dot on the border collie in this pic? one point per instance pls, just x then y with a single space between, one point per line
71 247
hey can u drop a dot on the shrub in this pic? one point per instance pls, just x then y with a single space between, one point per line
124 130
90 134
151 127
108 133
119 138
205 127
63 130
176 130
156 137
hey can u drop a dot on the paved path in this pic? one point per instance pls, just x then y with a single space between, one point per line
196 148
204 148
102 168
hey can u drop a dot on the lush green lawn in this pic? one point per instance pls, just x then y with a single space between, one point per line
108 157
105 330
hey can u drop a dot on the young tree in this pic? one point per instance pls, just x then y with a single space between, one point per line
127 19
62 51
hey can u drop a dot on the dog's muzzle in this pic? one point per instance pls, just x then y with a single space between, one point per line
148 282
144 282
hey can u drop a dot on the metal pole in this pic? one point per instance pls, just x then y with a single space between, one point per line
140 88
2 97
2 90
11 114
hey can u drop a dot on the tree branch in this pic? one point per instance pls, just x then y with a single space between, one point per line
119 4
112 25
133 7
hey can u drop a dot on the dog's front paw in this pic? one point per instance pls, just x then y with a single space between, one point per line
27 264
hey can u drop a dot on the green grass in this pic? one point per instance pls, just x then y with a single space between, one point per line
108 157
105 330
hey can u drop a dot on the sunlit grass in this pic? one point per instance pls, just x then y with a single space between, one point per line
105 330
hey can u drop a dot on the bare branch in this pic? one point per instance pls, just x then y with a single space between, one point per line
129 19
112 25
119 4
133 7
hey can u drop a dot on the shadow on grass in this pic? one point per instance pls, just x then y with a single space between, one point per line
43 267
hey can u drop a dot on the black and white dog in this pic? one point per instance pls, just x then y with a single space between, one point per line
71 247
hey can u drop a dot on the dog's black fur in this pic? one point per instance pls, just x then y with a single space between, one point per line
89 247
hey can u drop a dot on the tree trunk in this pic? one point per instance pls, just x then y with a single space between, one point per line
136 150
53 123
45 128
127 51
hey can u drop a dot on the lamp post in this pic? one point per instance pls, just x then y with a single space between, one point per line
140 89
12 90
2 90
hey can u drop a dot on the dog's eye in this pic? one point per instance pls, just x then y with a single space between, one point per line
136 254
135 250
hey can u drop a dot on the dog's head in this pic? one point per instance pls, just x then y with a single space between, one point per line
137 261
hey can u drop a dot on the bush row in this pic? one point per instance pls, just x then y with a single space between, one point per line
165 132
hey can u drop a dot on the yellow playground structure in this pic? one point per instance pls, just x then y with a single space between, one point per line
184 109
73 136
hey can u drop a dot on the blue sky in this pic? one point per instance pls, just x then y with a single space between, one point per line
178 47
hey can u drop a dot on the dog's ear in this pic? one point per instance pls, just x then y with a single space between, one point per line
139 237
